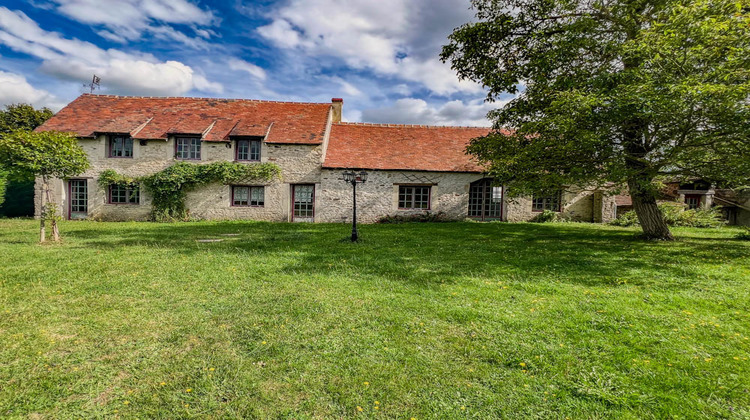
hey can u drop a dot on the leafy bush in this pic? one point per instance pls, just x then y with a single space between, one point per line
675 215
626 219
744 235
700 218
426 217
545 217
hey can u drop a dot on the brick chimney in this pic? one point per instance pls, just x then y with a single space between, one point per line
337 104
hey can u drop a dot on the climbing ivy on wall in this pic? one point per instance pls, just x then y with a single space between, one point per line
169 186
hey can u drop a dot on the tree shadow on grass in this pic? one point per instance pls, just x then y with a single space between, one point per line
432 254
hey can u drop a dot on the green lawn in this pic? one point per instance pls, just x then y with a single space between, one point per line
452 320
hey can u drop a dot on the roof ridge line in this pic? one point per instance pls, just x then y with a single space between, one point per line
204 98
391 125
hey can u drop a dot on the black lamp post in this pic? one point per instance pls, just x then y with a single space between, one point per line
354 178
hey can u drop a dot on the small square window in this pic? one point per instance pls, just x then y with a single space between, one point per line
187 148
248 150
120 147
693 201
120 194
547 202
414 197
244 196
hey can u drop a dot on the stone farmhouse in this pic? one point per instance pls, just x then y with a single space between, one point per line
412 169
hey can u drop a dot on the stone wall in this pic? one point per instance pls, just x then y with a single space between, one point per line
299 164
302 164
578 204
378 196
743 215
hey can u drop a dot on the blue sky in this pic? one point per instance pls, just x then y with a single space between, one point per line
380 56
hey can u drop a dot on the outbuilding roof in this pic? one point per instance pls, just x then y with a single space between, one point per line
402 147
212 119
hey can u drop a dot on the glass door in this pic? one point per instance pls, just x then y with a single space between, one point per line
303 206
78 192
485 200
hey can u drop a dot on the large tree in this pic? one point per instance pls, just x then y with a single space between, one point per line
48 155
22 117
18 117
612 92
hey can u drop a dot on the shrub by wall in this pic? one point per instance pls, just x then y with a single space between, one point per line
676 215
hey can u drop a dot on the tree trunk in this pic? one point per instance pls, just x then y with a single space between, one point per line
650 217
53 222
43 211
55 231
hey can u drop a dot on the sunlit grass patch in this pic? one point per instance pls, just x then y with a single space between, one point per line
450 320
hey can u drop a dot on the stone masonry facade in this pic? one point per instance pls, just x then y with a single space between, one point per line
310 145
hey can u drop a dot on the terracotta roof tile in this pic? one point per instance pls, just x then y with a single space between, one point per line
217 119
623 200
220 129
248 128
402 147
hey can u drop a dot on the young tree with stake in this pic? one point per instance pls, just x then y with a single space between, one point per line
48 155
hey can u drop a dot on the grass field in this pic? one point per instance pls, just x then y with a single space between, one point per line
452 320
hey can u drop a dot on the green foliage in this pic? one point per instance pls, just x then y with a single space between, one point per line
3 184
545 217
109 177
613 92
169 187
626 219
745 234
19 198
46 154
612 89
426 217
676 215
22 117
18 117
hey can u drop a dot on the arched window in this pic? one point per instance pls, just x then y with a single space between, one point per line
485 200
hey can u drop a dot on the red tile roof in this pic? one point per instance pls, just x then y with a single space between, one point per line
402 147
214 119
623 200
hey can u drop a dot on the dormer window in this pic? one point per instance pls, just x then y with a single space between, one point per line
248 150
187 148
120 147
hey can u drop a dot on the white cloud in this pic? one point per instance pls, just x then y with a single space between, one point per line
203 84
129 19
282 34
121 72
15 89
249 68
347 89
417 111
393 38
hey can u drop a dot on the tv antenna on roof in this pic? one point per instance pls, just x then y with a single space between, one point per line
94 83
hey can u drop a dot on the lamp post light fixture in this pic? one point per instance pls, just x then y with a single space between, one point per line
354 178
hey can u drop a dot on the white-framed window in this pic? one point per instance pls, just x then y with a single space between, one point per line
248 196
